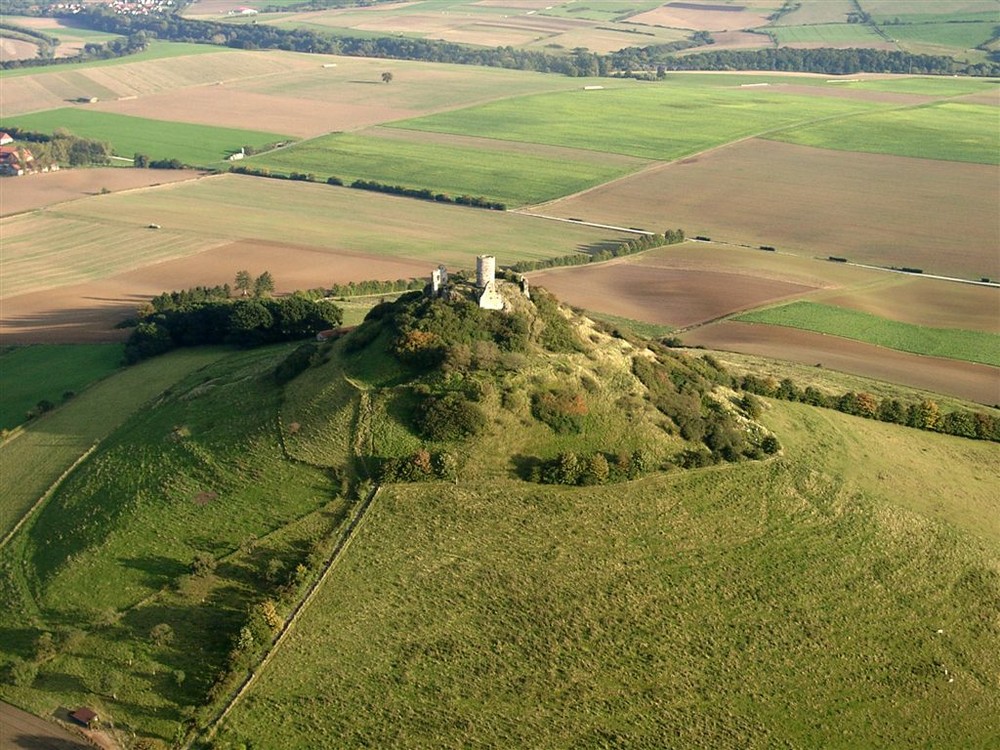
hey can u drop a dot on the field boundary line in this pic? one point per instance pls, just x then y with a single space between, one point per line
48 493
346 537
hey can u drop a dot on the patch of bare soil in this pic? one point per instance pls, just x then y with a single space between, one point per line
871 208
697 16
88 312
20 194
16 49
667 296
967 380
234 107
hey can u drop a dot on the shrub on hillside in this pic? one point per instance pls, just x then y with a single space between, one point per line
561 409
449 417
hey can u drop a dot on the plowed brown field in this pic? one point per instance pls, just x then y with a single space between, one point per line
966 380
871 208
668 296
89 311
39 190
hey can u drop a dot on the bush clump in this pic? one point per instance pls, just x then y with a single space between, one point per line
449 417
561 409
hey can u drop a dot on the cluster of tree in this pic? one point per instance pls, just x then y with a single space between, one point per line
570 468
300 360
143 161
426 331
477 201
363 288
628 247
129 45
62 147
245 322
923 415
421 466
828 61
680 389
46 44
557 334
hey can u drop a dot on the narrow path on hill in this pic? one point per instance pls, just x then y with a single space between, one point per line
346 537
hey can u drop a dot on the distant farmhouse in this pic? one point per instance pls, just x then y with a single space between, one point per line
15 161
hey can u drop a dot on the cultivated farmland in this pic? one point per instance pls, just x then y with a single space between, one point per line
870 208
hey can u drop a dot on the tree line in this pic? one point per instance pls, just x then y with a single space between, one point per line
922 415
62 147
626 247
654 59
129 45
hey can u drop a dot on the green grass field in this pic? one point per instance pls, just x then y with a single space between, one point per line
664 122
929 85
196 145
48 372
972 346
157 50
511 178
796 602
961 36
950 131
828 33
33 460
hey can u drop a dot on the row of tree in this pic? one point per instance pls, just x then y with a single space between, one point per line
627 247
925 414
579 62
128 45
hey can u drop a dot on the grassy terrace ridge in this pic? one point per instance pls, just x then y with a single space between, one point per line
791 603
512 178
971 346
31 461
198 145
30 374
952 131
156 50
678 117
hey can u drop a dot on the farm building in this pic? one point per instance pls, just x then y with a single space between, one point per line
5 139
15 161
84 716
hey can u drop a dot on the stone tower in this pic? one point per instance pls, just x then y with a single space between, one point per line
489 297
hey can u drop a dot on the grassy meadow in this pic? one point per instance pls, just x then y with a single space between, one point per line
952 131
799 602
511 178
971 346
678 118
49 372
196 145
34 459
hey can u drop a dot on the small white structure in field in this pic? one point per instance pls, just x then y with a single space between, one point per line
488 296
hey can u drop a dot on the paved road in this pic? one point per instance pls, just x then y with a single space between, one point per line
20 730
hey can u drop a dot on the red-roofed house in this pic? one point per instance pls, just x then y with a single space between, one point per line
15 161
85 716
5 139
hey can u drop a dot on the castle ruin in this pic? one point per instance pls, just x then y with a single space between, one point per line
486 291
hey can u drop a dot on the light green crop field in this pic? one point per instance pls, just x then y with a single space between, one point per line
157 50
326 219
599 10
857 34
657 122
959 35
511 178
930 85
31 374
197 145
800 602
951 131
971 346
33 460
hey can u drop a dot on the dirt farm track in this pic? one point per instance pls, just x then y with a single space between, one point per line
20 730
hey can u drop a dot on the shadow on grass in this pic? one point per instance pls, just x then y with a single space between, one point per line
159 570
